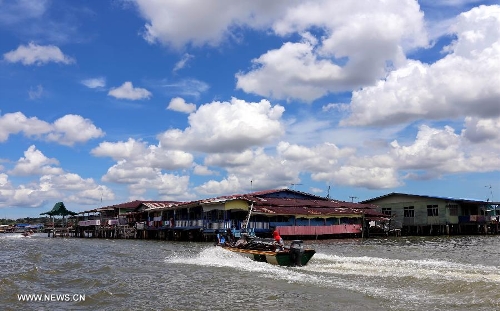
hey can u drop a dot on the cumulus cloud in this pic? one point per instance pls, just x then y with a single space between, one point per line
202 170
482 130
35 162
169 186
72 129
14 123
33 54
301 74
30 195
463 83
139 154
433 153
227 126
350 50
440 151
140 179
94 83
191 22
180 105
431 149
54 183
67 130
128 91
252 170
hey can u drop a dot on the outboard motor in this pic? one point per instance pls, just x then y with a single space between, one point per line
296 251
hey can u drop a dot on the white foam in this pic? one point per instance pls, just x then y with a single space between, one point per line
219 257
395 268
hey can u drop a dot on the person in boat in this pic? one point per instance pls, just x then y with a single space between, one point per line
242 241
220 239
229 237
278 240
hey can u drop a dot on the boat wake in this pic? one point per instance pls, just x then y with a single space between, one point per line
427 269
421 283
219 257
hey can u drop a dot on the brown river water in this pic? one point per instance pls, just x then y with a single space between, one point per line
404 273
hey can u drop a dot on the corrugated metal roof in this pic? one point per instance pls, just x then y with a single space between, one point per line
312 205
153 205
424 196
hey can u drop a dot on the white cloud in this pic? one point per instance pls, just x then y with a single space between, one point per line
442 151
484 131
169 186
33 54
35 162
346 51
138 154
187 87
121 150
30 195
192 22
140 179
67 130
367 177
227 126
231 184
431 149
72 129
14 12
464 83
182 62
35 93
94 83
202 170
54 184
254 169
14 123
125 172
128 91
301 74
140 166
180 105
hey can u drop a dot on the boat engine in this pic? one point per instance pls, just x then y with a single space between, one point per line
296 252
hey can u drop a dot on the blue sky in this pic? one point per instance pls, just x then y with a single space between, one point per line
103 102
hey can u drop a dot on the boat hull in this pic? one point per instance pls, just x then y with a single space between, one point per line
281 258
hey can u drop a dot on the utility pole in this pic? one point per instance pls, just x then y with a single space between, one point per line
352 198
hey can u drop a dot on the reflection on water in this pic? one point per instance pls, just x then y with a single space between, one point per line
417 273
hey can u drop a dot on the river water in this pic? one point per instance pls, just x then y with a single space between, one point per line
404 273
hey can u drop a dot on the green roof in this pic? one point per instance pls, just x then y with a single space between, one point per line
59 210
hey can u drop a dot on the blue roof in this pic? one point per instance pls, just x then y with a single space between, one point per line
22 225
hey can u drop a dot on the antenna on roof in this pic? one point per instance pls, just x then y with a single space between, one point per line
293 186
352 198
491 193
251 185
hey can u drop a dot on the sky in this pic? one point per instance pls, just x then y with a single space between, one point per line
105 102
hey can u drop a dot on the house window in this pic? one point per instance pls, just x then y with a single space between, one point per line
432 210
386 211
409 211
453 209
